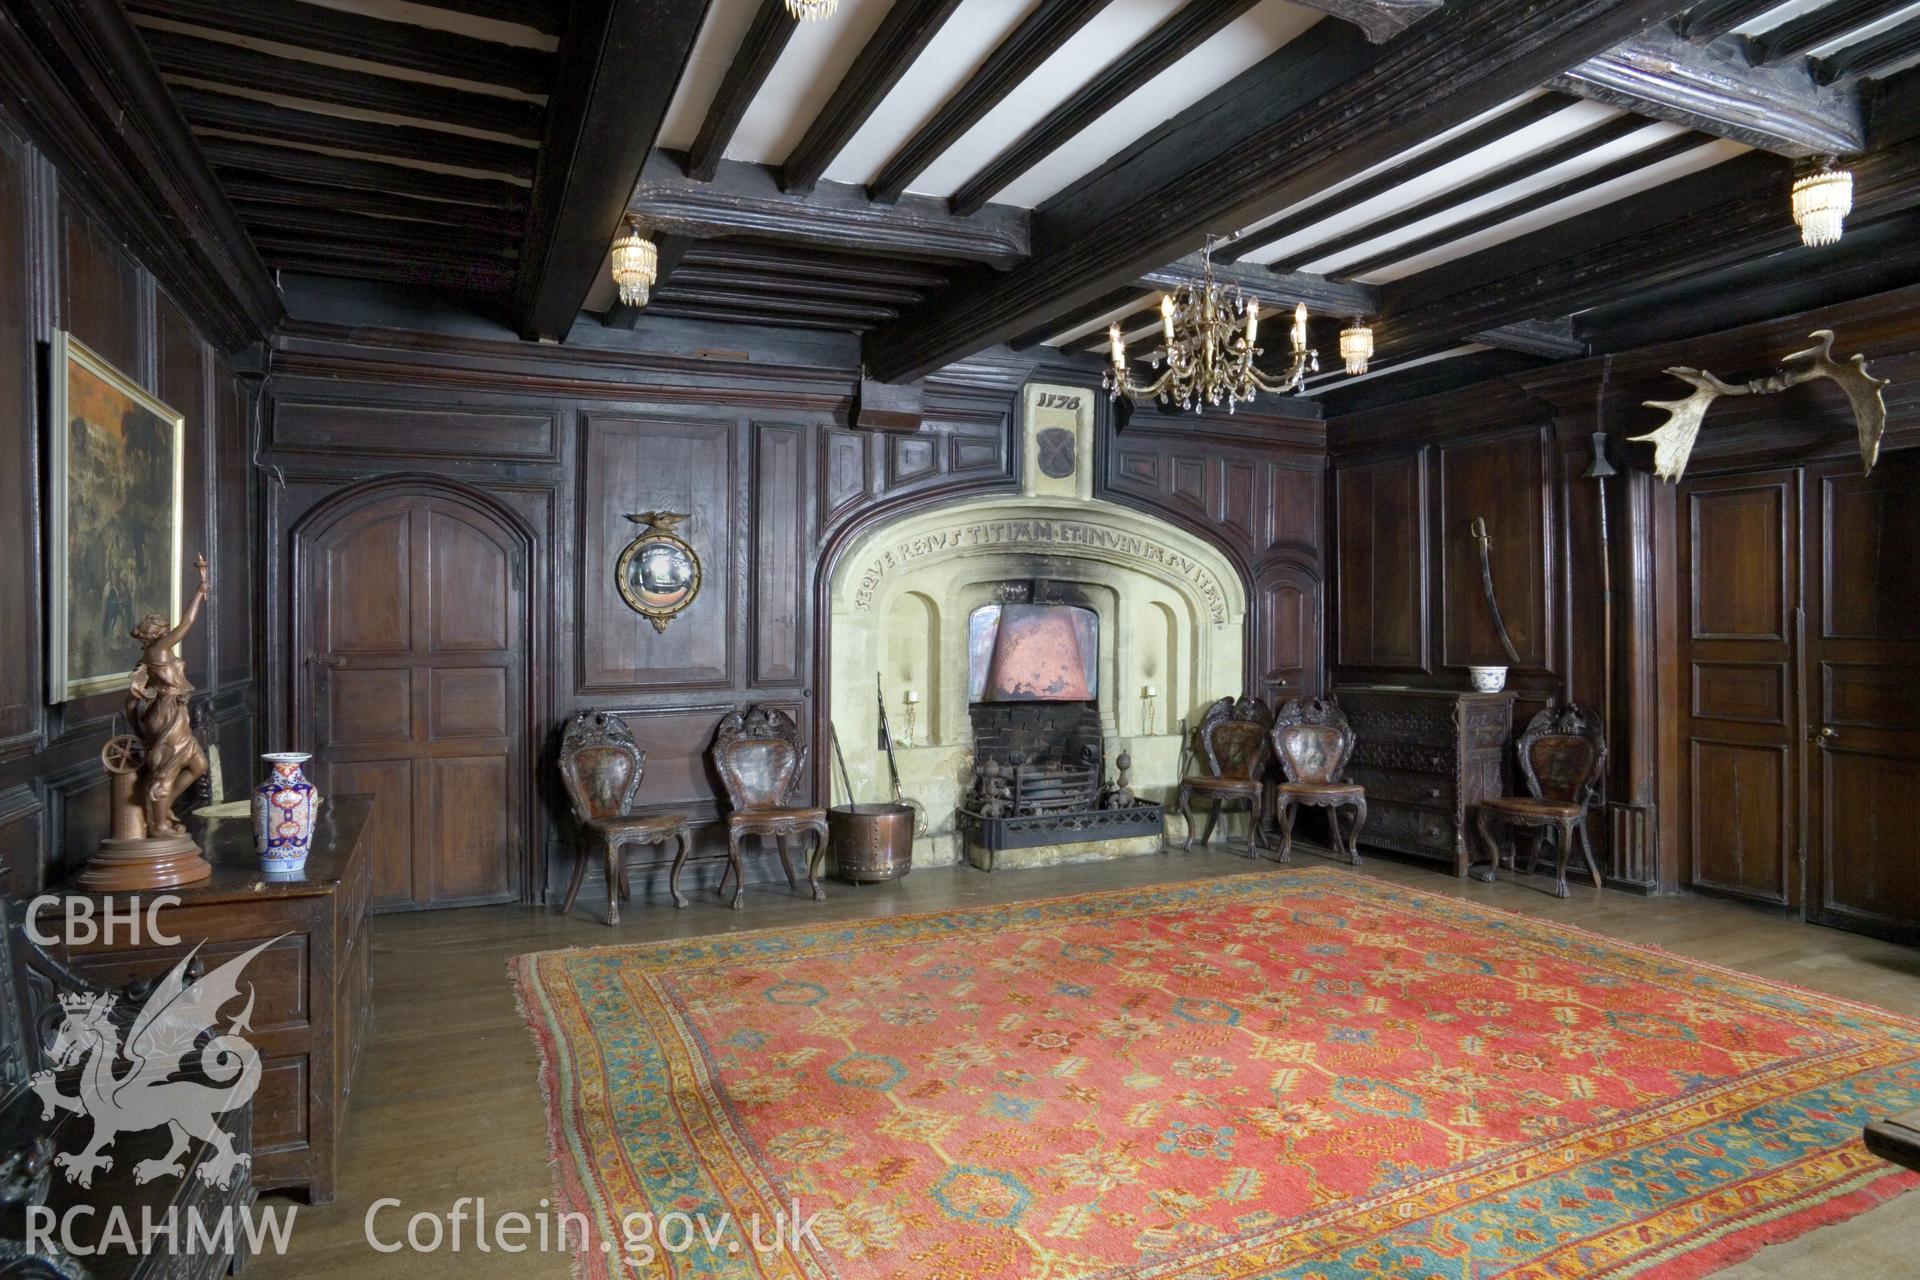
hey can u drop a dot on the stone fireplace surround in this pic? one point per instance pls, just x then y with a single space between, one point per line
1172 613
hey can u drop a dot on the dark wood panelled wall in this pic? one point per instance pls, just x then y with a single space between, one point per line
63 266
1761 700
547 452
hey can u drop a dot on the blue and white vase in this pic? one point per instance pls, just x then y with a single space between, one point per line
284 808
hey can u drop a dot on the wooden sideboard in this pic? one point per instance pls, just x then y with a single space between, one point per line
1426 758
312 986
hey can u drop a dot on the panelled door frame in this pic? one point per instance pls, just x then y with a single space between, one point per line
532 621
1720 668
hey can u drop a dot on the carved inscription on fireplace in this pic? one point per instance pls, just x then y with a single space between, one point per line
1042 537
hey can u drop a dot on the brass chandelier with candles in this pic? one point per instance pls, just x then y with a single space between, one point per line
1210 350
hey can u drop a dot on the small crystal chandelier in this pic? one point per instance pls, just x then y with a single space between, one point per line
1356 346
635 265
1208 354
812 10
1822 199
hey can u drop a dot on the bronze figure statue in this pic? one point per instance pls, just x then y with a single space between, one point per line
153 766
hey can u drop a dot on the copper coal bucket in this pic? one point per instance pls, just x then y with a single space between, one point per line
871 841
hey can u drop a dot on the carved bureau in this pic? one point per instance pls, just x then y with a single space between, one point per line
1427 757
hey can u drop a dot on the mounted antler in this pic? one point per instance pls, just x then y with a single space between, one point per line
1673 440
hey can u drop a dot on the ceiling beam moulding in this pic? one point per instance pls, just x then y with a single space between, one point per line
1781 109
544 16
1716 18
364 175
1277 290
1380 20
1325 108
265 120
620 62
741 315
355 35
1503 126
813 264
1037 38
487 280
669 252
753 61
1486 221
746 200
910 25
764 304
785 286
326 223
1802 35
253 193
381 247
1870 57
1717 217
1603 133
78 76
1172 40
1551 338
190 57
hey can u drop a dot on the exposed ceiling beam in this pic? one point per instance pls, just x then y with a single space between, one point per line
759 49
355 35
1276 290
811 263
1870 57
819 308
1326 107
1037 38
1552 338
1503 126
328 220
77 75
1599 134
1717 18
253 193
1730 213
267 121
1166 44
378 245
1513 210
745 315
364 175
906 30
620 62
1781 109
486 279
1816 27
746 200
544 16
190 57
794 286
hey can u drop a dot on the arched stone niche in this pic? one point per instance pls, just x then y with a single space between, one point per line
1172 615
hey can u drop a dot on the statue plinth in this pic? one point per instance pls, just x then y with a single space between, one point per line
123 865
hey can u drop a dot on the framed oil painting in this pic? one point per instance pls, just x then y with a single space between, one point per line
116 459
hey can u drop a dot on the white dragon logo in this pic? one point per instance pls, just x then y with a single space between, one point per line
147 1095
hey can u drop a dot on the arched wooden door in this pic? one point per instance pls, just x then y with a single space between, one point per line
410 626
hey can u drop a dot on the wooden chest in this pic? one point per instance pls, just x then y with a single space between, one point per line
312 987
1427 757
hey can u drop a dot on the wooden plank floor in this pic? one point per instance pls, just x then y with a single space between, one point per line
447 1103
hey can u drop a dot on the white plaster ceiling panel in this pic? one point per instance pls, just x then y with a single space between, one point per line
1241 44
948 62
713 50
1098 325
1709 153
811 67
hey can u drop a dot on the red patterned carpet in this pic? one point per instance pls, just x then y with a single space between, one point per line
1298 1074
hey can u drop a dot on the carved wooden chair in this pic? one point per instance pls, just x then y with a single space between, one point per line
602 767
1561 755
760 759
1313 740
1233 747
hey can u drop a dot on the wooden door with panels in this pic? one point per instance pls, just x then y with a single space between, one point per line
1863 695
411 618
1739 571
